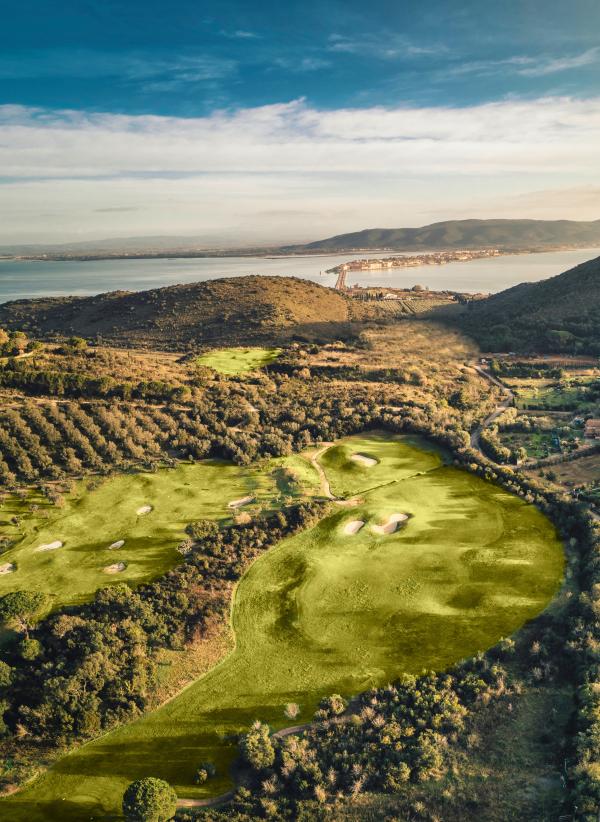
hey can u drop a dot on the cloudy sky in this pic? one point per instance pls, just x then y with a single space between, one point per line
240 121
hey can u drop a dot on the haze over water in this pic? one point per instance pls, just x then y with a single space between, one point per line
27 279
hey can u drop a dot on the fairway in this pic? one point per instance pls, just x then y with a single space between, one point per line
233 361
331 610
111 525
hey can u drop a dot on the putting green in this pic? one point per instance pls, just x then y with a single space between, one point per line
326 611
92 521
233 361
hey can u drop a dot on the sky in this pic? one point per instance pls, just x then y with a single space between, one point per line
241 122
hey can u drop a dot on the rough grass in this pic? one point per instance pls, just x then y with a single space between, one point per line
233 361
93 520
326 612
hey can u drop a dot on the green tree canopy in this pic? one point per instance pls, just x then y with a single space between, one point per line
149 800
256 747
21 605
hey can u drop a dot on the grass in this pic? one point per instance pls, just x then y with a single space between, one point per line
548 395
326 612
232 361
93 520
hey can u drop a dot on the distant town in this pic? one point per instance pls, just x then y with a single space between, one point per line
412 261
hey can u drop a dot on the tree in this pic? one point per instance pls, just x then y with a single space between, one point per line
6 674
149 800
21 607
256 747
334 705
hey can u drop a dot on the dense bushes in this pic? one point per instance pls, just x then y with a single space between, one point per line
392 737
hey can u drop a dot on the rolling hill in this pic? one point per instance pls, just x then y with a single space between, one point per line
233 310
561 314
505 234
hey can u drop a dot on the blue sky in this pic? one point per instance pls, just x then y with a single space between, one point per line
284 100
188 58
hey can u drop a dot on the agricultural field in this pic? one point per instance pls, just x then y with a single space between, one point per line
232 361
550 395
427 566
128 528
584 470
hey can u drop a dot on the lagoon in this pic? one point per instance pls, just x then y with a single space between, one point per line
23 279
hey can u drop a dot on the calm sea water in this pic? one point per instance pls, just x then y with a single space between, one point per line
20 279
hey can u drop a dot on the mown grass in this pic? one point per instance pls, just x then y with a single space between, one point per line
326 612
233 361
91 521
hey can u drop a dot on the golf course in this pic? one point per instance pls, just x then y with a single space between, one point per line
232 361
419 565
128 528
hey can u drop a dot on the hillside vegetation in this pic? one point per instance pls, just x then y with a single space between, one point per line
561 314
236 309
506 234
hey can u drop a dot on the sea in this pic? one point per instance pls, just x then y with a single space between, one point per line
23 279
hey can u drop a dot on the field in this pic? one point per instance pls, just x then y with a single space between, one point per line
92 521
442 565
581 471
233 361
548 395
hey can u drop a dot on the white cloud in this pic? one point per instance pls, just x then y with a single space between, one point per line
558 64
350 168
523 65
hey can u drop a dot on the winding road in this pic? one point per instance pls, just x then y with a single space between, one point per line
508 400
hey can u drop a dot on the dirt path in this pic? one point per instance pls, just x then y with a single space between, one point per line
325 486
508 400
223 798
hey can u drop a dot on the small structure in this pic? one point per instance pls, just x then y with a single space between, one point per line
592 429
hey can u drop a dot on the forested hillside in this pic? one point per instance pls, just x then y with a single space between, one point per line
561 314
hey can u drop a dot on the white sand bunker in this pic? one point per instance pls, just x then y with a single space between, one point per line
237 503
354 526
118 544
368 462
115 569
390 525
50 546
145 509
7 568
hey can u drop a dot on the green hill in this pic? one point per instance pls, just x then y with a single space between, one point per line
505 234
233 310
561 314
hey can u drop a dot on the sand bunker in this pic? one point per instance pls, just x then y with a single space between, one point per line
118 544
7 568
354 526
50 546
368 462
390 525
115 569
145 509
237 503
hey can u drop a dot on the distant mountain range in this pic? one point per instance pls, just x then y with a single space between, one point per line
508 235
561 314
504 234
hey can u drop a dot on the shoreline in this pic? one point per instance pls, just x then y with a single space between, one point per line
264 254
